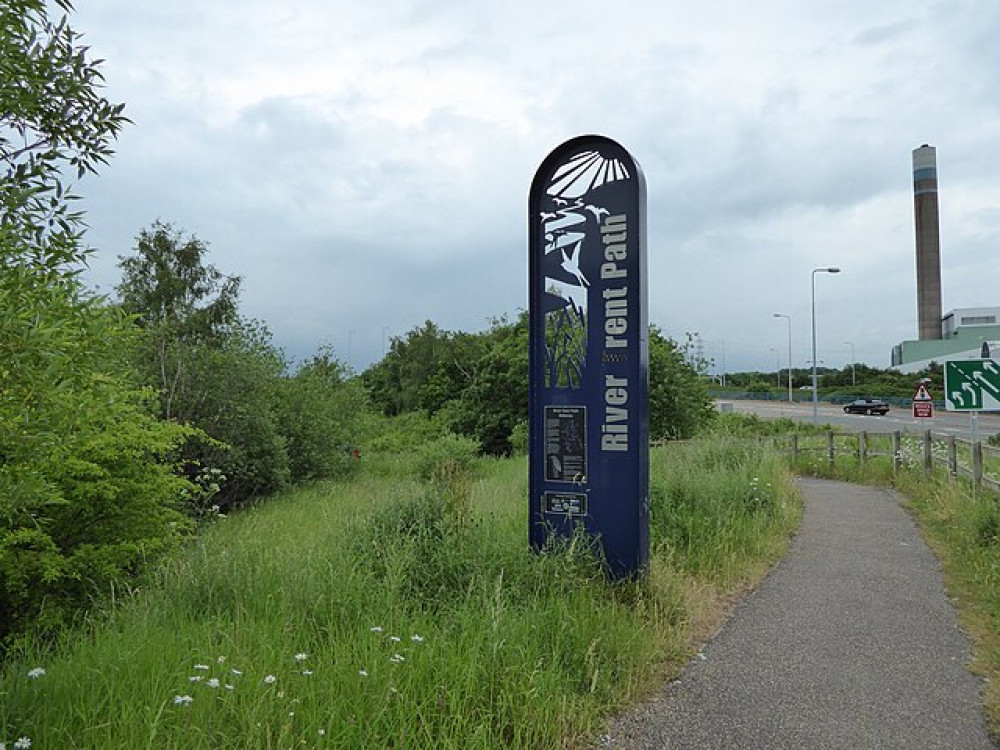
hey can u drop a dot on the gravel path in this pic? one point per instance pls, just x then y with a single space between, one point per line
850 642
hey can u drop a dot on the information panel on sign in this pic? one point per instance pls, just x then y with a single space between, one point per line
566 443
565 503
588 357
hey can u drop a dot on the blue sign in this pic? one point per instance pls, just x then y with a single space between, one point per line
589 428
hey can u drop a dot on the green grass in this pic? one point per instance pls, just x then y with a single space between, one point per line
390 614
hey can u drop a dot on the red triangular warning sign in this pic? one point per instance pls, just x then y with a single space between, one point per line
922 394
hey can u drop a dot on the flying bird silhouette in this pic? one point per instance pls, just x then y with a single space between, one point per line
597 211
571 264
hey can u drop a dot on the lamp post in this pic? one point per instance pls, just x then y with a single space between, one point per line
789 319
854 380
828 269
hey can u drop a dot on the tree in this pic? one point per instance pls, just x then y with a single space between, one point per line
679 403
320 415
182 304
52 118
87 495
423 370
496 399
211 368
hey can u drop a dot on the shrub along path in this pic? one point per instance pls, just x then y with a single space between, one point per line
849 643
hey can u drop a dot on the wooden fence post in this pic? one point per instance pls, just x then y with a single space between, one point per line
952 456
829 446
897 456
795 447
928 454
863 446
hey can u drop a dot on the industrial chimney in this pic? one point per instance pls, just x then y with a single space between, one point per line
925 209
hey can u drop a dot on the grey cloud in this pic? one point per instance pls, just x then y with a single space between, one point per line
876 35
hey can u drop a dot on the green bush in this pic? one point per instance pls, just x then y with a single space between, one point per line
402 434
679 403
445 457
320 414
87 496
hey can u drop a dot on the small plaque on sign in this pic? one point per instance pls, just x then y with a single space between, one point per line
565 503
566 443
923 409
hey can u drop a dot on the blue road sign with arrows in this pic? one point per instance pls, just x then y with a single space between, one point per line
972 385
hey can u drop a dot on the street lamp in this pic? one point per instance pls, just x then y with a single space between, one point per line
854 380
829 269
789 319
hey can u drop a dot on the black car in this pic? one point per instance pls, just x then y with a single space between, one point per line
867 406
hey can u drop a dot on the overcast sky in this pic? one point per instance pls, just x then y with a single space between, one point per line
364 166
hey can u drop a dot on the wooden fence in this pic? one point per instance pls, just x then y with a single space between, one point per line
961 457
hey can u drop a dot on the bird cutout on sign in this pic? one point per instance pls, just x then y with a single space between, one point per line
597 211
571 264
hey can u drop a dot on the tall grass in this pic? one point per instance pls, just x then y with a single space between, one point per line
382 612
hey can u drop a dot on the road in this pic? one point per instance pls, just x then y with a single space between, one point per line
849 643
943 423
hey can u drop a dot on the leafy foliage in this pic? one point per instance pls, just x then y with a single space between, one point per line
185 308
52 119
219 372
423 370
497 398
679 403
320 411
478 383
87 495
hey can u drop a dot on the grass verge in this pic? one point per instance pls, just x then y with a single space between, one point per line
389 611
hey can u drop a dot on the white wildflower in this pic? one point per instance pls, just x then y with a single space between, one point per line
307 672
322 733
417 638
236 672
36 673
201 667
182 700
221 659
213 683
363 672
270 679
195 678
22 743
397 659
377 629
229 687
301 657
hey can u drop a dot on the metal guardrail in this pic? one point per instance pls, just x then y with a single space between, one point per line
935 450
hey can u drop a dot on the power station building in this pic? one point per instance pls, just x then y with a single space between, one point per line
965 333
